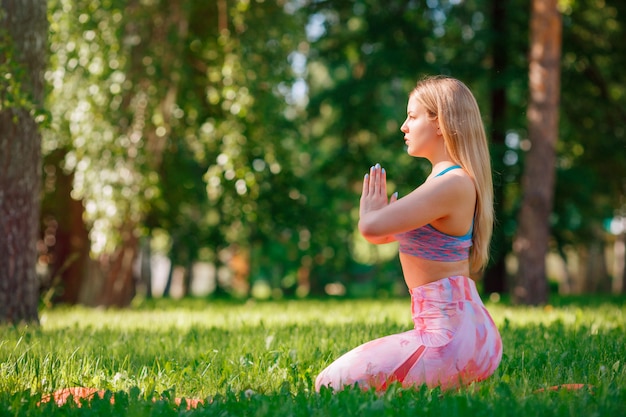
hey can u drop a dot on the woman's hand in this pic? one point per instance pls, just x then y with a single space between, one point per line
374 194
373 198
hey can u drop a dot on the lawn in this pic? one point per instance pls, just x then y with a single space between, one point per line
261 359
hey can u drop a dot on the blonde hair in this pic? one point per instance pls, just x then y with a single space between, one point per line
454 105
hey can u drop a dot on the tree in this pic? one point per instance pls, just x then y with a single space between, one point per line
171 116
178 119
531 242
591 170
106 112
22 62
369 56
494 278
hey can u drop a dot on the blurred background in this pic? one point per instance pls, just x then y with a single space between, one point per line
216 148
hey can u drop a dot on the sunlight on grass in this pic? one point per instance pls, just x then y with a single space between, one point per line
273 350
228 315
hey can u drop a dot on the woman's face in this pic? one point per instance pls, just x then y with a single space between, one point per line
420 130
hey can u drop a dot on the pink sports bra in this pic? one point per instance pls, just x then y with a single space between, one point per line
429 243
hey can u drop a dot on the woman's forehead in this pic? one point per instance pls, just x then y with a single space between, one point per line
414 105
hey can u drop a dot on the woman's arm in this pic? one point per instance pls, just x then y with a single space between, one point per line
447 201
380 240
374 197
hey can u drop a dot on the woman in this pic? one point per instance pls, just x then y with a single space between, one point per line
443 228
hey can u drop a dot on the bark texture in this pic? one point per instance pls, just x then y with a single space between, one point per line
531 243
23 42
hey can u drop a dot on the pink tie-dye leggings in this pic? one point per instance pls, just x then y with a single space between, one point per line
454 342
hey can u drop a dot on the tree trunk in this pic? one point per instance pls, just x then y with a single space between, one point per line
23 32
567 286
596 274
624 269
623 261
531 243
494 279
65 244
118 288
146 266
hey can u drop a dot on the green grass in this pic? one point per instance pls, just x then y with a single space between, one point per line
261 359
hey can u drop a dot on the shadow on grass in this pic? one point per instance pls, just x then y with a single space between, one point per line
479 400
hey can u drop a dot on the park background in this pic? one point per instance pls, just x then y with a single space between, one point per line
193 169
216 148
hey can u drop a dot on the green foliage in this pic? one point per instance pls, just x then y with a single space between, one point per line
178 116
370 54
589 167
13 94
262 358
104 119
251 123
10 84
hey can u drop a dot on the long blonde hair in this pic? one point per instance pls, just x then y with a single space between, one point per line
454 105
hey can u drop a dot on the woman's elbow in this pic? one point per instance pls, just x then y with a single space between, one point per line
368 229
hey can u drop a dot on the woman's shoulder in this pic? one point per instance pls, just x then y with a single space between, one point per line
457 182
457 193
454 187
